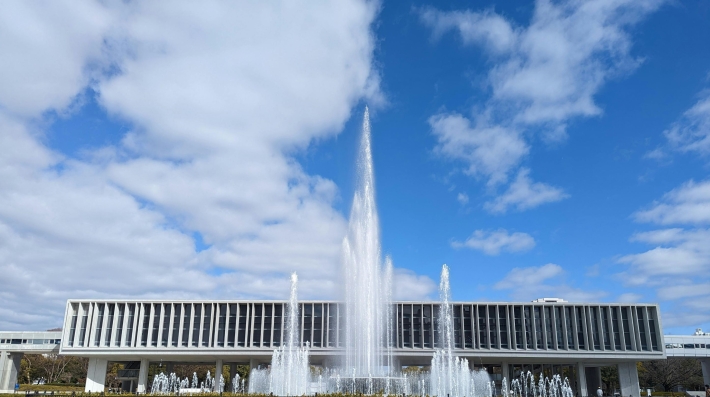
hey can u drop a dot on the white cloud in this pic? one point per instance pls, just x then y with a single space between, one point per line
521 276
691 133
485 28
489 151
629 297
678 264
543 76
493 242
524 194
220 95
462 198
687 204
408 285
679 253
530 283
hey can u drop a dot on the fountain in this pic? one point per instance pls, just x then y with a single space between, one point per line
289 374
366 286
368 365
450 375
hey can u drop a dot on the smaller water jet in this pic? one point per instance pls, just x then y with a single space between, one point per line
289 374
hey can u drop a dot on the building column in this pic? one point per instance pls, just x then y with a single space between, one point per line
253 364
629 380
96 375
581 381
218 367
594 379
705 364
169 368
505 372
10 367
143 377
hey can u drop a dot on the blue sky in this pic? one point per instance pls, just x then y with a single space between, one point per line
538 148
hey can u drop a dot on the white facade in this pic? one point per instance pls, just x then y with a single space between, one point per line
505 337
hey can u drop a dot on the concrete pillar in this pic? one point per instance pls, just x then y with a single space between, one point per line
218 374
629 380
143 377
581 381
705 364
505 371
253 364
169 368
96 375
594 379
9 369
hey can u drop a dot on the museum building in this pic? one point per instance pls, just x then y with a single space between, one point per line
572 339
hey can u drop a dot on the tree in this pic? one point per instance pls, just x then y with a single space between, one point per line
670 373
610 379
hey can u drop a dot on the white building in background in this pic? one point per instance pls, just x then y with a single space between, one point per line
549 337
572 339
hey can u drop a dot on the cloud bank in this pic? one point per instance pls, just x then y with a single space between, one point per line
202 196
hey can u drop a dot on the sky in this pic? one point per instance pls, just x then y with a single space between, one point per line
186 150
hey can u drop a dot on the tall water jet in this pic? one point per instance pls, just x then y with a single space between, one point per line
365 296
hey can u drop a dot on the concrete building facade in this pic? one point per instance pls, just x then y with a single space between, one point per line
506 338
573 339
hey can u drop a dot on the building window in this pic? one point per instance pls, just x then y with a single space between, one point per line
196 320
518 324
492 326
558 327
569 323
207 325
221 324
652 330
165 329
407 325
176 325
278 324
256 318
307 323
642 327
121 309
129 325
417 326
157 307
538 327
99 323
232 324
615 327
548 326
146 324
427 323
595 327
528 327
467 327
242 332
72 327
581 340
84 320
503 324
186 325
605 327
457 325
268 312
109 324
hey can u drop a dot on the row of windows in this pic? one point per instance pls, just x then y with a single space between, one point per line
539 327
687 346
542 326
30 341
